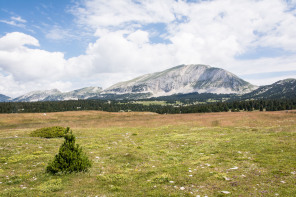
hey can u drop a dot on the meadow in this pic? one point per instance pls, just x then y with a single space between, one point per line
148 154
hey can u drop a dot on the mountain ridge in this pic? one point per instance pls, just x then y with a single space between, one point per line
176 81
285 88
184 79
56 95
4 98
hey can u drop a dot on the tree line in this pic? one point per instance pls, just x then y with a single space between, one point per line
117 106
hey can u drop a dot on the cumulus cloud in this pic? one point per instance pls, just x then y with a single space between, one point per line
28 64
214 32
116 53
139 37
210 32
24 68
16 40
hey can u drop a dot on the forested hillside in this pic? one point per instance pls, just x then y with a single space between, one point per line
116 106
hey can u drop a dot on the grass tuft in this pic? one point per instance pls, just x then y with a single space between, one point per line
52 185
50 132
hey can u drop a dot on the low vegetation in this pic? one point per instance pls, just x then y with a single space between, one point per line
69 159
50 132
147 154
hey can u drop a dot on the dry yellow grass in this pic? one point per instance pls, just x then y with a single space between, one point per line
98 119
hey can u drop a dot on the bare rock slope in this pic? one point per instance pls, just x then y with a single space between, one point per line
184 79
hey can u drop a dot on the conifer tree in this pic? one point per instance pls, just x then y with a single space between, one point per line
70 158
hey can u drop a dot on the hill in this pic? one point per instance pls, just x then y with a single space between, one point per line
278 90
4 98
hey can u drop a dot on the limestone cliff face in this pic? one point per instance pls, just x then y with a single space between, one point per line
184 79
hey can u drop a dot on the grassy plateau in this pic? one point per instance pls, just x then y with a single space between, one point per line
147 154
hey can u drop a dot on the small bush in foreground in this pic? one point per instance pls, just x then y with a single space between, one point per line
69 159
50 132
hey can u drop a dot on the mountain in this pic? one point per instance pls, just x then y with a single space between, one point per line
83 93
38 96
184 79
4 98
56 95
280 89
197 82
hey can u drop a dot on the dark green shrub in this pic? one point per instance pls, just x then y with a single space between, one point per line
50 132
69 159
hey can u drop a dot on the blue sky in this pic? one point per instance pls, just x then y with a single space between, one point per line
71 44
42 18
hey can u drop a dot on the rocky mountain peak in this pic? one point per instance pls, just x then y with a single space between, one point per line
184 79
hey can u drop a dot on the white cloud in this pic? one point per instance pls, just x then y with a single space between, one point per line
27 68
18 19
15 21
210 32
11 87
115 53
100 13
12 41
139 37
27 64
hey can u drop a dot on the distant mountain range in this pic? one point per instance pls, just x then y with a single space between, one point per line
56 95
176 82
4 98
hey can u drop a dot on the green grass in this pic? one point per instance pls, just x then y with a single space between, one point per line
179 160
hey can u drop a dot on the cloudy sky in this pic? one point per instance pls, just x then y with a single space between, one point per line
70 44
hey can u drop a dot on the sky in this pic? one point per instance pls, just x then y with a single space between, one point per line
71 44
